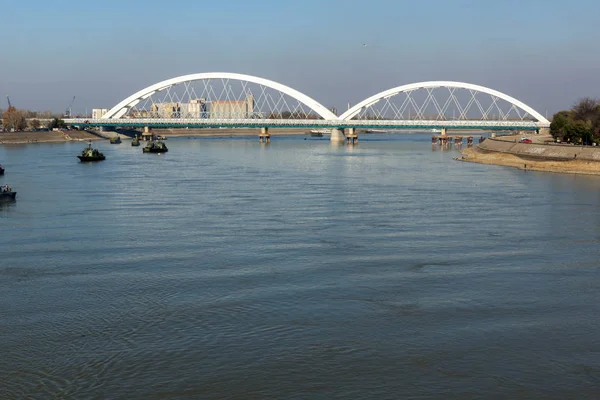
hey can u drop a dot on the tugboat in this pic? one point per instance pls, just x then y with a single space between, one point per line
135 141
6 194
155 146
1 170
90 154
115 140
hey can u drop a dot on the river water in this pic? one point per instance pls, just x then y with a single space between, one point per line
229 269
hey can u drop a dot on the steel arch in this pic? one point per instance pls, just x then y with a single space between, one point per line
121 109
434 84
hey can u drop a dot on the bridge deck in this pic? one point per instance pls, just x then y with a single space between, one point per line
310 123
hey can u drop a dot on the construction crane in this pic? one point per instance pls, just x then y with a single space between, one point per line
69 109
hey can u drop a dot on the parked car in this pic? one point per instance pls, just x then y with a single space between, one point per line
525 140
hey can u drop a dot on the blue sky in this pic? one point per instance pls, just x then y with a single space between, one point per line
545 53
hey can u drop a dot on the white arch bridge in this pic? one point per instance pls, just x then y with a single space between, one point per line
216 100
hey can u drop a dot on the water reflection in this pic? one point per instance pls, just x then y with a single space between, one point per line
6 206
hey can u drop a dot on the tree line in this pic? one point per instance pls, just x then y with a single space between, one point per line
14 118
580 124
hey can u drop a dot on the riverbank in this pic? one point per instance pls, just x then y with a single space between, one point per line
8 138
74 135
538 156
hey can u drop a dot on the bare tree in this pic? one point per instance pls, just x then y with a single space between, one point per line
14 119
35 123
585 109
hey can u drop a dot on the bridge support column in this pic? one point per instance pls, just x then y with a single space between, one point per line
351 137
337 135
444 139
147 134
264 135
543 131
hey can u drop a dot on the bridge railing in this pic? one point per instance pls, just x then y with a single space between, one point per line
298 123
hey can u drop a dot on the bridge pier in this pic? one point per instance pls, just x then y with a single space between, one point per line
147 134
264 135
351 137
337 135
543 131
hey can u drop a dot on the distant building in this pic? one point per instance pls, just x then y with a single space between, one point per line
165 110
232 109
98 113
138 114
196 108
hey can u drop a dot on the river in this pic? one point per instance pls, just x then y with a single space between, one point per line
230 269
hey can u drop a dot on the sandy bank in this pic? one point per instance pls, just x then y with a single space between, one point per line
45 137
536 156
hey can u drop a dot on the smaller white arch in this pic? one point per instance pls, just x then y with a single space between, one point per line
352 112
121 109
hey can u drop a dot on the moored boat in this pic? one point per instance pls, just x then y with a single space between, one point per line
155 146
7 194
90 154
135 141
115 140
1 170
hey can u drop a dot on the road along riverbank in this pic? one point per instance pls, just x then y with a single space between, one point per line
535 156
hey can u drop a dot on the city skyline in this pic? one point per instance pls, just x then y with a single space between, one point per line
338 52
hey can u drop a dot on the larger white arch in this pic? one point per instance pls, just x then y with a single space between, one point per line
120 109
434 84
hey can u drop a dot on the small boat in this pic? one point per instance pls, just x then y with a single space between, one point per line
135 141
155 146
6 194
1 170
115 140
161 137
90 154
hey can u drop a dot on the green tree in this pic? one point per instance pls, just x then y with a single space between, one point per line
581 132
560 122
56 123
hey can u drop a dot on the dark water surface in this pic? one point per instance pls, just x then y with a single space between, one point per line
227 269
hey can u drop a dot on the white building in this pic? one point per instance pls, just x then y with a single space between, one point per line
196 108
98 113
228 109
